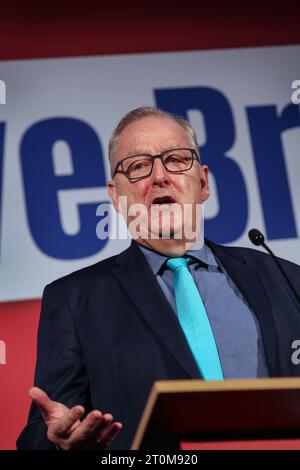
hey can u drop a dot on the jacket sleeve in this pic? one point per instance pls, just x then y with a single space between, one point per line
60 368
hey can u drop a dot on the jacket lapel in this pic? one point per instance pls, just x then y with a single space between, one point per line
250 285
138 281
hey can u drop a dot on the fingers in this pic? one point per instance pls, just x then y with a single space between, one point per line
109 434
103 433
63 427
86 435
95 431
42 401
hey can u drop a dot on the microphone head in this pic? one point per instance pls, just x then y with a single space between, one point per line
256 237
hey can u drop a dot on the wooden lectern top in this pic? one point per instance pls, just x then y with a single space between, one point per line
179 409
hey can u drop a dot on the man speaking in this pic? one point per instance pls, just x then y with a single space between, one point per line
171 306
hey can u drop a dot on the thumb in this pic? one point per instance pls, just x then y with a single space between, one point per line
41 399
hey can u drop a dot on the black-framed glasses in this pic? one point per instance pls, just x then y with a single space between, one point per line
140 166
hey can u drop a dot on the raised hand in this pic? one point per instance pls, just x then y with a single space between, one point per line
65 428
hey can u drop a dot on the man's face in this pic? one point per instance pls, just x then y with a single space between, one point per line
154 135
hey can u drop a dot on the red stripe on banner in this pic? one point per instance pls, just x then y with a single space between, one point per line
71 29
18 329
266 444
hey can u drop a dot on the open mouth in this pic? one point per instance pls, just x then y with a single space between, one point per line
163 200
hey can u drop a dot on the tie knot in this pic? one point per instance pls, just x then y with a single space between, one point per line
177 263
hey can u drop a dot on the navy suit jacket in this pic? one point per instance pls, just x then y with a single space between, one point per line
107 333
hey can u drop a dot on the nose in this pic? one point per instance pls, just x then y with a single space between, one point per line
159 173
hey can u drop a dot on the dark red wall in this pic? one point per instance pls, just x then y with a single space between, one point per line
71 28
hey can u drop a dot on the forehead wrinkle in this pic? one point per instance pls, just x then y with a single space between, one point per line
162 148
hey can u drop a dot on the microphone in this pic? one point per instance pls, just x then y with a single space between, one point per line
257 238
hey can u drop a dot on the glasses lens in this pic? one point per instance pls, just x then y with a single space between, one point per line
178 160
137 167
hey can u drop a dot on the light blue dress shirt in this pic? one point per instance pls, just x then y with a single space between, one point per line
235 327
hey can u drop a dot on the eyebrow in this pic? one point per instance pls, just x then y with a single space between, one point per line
169 147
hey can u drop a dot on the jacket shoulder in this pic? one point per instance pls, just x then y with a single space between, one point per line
88 275
252 256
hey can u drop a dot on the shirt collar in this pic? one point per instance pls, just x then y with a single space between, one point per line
156 260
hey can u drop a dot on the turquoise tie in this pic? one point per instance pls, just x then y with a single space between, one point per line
193 319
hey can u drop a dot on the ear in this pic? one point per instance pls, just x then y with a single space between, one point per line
204 182
113 194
